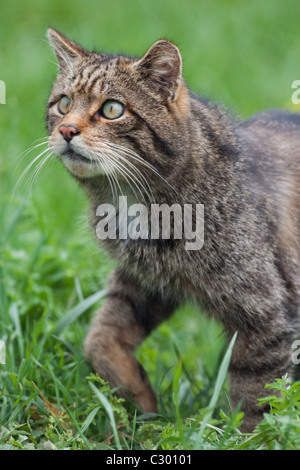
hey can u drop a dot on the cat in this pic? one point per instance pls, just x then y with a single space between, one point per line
130 126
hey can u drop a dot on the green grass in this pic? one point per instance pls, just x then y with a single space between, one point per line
52 273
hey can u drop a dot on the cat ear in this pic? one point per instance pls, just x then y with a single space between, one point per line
66 51
162 65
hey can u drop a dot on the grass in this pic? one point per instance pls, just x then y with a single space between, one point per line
52 274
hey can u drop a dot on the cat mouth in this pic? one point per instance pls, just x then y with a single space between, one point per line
80 165
76 157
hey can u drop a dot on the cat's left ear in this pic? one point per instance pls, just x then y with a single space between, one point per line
66 51
162 66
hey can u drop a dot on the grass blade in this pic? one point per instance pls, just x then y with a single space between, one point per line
217 390
3 296
110 413
78 310
14 315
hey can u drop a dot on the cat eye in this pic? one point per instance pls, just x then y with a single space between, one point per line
64 105
112 109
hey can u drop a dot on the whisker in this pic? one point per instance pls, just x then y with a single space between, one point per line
110 173
26 170
123 173
131 154
113 158
33 147
113 163
114 174
38 169
135 179
140 175
31 164
103 163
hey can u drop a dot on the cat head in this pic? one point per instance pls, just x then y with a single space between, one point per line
116 114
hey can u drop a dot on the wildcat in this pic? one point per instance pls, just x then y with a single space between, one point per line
123 125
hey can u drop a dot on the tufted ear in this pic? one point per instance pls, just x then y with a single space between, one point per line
66 51
162 65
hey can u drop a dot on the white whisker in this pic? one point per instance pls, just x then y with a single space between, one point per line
33 147
131 154
103 163
114 174
31 164
136 179
44 156
113 159
121 169
38 169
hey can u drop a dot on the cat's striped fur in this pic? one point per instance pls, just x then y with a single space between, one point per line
168 146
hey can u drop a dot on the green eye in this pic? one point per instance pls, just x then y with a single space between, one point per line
112 109
64 105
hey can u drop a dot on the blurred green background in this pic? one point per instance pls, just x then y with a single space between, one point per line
244 54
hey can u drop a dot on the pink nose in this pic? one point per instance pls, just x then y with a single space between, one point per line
68 132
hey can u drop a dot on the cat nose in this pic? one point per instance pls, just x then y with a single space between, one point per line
68 132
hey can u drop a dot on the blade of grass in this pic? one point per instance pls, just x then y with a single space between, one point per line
217 390
107 406
86 423
88 420
13 222
14 315
78 310
78 289
176 396
3 296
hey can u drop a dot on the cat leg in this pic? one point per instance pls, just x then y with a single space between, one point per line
258 359
127 316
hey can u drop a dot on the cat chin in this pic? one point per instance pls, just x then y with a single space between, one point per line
82 166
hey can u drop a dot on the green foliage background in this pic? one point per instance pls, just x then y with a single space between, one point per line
244 54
